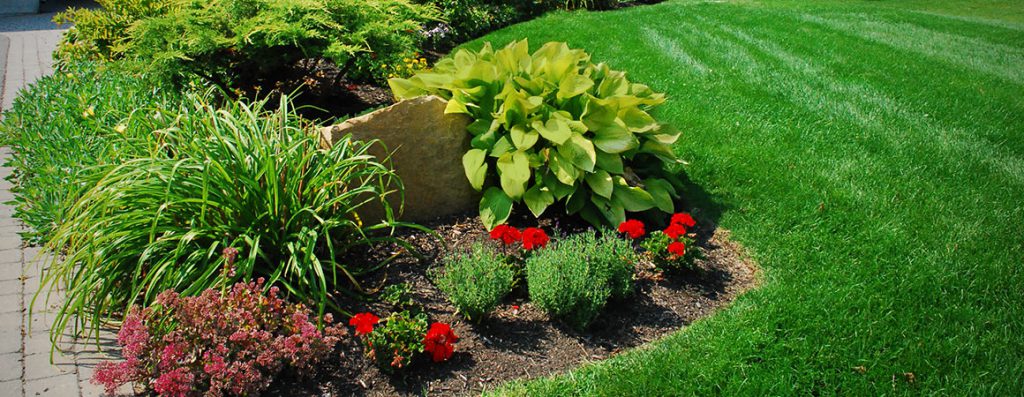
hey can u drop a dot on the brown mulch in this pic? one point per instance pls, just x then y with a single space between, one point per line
524 343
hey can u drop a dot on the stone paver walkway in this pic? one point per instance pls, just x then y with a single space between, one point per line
26 44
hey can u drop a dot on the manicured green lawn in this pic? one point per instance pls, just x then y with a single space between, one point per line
870 155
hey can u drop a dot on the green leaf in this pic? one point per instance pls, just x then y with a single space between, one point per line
615 138
637 120
662 151
405 89
502 146
574 85
522 138
514 170
455 106
580 152
538 198
633 199
610 162
563 168
559 189
600 182
555 130
476 168
611 210
662 192
495 208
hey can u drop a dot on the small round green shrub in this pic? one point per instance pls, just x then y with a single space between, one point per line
573 278
475 281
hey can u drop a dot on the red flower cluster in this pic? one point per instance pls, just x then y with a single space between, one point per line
216 344
677 228
507 234
632 228
363 322
531 237
534 238
439 342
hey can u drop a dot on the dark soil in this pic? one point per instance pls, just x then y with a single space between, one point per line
523 343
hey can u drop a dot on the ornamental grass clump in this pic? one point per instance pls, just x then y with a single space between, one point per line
236 177
552 126
216 344
574 278
476 281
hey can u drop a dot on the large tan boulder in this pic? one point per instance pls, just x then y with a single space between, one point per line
426 148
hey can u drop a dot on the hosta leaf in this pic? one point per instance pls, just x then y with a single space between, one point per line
538 198
576 201
611 210
614 138
502 146
610 162
632 198
495 208
600 182
637 120
522 138
663 151
514 170
665 134
598 116
557 188
574 85
473 162
662 192
563 169
405 88
555 130
580 152
455 106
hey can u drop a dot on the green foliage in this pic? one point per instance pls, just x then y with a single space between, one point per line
656 248
476 281
235 42
101 34
395 341
236 177
65 125
553 127
398 296
573 278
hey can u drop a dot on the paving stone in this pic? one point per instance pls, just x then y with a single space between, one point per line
62 385
9 287
39 366
11 271
10 367
10 332
9 241
12 388
11 304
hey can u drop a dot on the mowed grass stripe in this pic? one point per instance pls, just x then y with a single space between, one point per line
974 54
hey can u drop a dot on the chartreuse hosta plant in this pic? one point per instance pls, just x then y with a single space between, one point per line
553 126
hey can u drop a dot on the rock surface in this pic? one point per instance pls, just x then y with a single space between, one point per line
426 147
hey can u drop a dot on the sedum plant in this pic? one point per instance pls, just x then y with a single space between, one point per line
225 194
552 126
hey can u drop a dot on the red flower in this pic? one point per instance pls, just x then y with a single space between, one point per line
534 238
439 341
633 228
363 322
683 219
507 234
675 231
677 248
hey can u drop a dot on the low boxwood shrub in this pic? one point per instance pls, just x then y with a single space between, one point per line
235 43
72 123
554 126
225 194
476 281
574 277
216 344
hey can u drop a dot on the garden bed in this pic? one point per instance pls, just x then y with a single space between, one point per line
518 341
